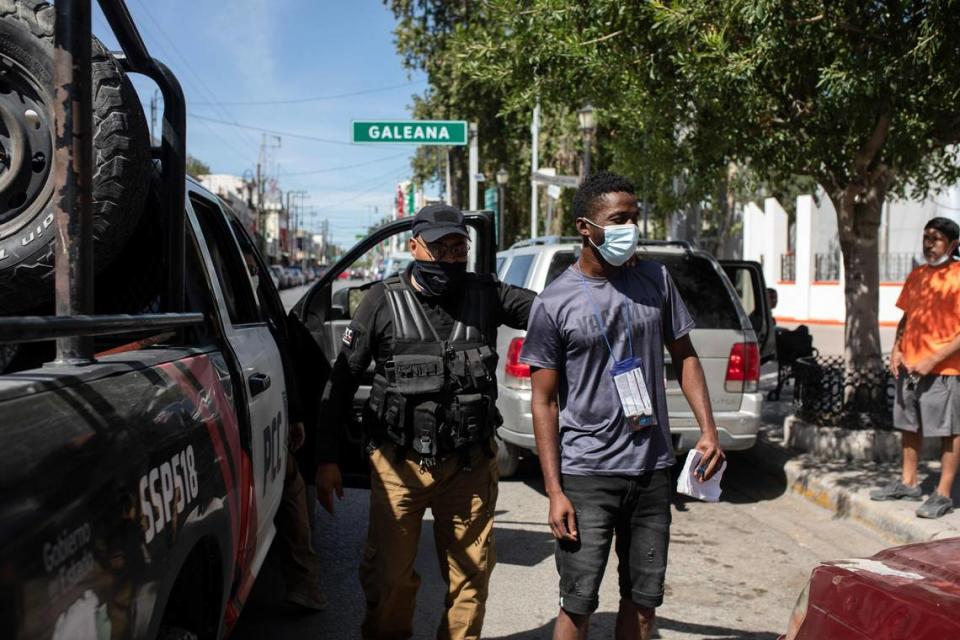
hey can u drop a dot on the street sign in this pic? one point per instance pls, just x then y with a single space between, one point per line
553 191
428 132
571 182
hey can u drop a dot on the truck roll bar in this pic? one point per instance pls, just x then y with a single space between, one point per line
74 326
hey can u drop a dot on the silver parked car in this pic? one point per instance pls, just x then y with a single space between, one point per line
733 334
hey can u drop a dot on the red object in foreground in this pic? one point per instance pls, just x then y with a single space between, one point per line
903 592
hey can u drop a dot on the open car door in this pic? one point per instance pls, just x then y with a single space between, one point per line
747 278
319 319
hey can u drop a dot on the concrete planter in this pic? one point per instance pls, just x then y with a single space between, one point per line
860 445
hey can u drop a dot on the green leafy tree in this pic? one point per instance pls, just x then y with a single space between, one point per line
859 95
196 167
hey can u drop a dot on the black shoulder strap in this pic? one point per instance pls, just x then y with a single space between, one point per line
410 323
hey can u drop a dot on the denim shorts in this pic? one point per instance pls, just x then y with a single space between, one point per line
635 510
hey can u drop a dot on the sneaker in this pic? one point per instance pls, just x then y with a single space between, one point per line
896 491
935 506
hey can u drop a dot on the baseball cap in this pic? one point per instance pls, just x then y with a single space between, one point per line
434 221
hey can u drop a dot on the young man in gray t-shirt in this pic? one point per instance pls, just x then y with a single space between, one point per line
595 344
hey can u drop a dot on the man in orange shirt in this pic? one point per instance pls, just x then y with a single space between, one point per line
926 362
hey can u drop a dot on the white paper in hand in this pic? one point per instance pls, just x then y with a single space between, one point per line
689 485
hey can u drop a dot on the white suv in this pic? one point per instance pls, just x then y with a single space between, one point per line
728 303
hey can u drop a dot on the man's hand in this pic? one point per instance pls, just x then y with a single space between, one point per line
896 359
562 518
296 437
329 481
924 367
713 455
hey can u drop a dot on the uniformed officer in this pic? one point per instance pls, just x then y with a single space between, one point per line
429 424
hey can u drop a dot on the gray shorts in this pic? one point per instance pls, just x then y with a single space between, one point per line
931 406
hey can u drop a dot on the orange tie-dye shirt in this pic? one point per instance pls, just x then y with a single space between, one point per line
931 300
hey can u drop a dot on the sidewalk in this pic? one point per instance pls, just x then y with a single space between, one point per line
844 487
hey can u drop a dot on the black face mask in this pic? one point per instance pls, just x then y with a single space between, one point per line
436 278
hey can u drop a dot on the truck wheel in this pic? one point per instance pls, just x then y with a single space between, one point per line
121 155
508 459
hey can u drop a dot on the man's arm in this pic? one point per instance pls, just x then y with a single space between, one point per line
359 344
690 376
896 354
928 364
515 305
546 431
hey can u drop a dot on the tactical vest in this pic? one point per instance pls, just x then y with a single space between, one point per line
437 396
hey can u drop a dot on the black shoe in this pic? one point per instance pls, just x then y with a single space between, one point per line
935 506
896 491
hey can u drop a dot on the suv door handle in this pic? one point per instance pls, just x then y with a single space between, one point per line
259 382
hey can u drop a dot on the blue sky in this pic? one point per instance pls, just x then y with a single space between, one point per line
229 53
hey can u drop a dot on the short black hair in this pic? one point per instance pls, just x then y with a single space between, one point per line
946 226
597 186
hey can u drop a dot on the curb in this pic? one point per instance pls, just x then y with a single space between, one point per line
807 476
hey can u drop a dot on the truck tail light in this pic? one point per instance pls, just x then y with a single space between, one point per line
516 372
743 368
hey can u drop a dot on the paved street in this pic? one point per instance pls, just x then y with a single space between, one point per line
735 569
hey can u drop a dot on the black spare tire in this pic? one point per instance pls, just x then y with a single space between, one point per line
121 155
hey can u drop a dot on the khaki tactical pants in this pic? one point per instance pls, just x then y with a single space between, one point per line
462 502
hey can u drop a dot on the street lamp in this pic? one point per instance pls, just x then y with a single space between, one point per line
588 126
502 176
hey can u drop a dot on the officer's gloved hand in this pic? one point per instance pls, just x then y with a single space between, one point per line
329 481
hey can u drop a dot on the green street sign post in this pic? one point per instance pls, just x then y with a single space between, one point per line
426 132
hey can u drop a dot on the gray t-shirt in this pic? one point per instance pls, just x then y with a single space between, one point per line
564 334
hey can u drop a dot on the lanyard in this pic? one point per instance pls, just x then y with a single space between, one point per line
596 313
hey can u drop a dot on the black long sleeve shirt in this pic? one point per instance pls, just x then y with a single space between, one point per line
370 337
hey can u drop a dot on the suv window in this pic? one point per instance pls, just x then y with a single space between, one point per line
518 269
231 271
558 264
702 290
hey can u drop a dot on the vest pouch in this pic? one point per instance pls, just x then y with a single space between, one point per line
394 418
469 419
425 427
415 374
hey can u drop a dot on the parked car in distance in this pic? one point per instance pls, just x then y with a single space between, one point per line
911 592
733 331
281 274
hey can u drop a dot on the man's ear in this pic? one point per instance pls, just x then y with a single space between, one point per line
583 228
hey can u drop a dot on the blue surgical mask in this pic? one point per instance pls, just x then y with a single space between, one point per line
619 242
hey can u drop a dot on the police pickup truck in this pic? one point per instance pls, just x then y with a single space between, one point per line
142 449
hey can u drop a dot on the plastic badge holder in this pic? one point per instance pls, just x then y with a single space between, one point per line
632 389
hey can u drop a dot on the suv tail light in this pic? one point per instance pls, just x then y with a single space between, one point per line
516 371
743 368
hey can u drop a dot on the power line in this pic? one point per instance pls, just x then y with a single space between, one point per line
343 168
199 82
360 92
373 187
275 132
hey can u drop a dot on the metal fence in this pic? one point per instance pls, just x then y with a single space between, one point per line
826 267
829 396
895 267
788 267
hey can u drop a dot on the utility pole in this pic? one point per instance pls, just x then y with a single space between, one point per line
261 188
534 167
474 164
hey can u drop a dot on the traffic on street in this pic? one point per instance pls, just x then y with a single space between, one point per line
400 320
